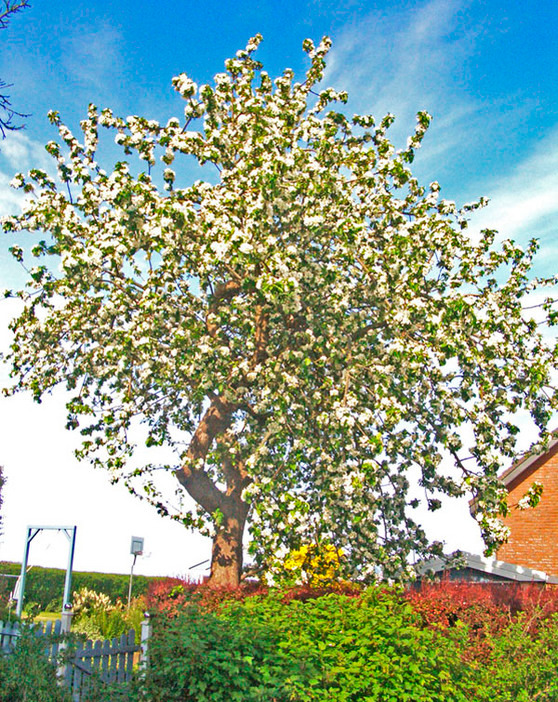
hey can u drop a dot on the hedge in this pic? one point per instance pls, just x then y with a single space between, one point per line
334 648
446 642
45 586
450 641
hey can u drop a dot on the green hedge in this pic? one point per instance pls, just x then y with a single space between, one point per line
379 646
45 586
334 648
374 646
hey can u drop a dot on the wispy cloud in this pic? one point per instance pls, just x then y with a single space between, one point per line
93 56
524 203
417 59
404 62
10 200
18 152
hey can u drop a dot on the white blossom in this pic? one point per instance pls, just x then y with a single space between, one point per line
306 332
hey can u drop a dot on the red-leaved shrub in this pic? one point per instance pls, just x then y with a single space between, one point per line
486 608
170 594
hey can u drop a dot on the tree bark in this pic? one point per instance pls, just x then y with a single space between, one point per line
226 554
228 508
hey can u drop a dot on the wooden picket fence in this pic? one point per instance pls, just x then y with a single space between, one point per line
50 631
79 663
108 661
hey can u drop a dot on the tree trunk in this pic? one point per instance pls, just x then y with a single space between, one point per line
226 555
227 508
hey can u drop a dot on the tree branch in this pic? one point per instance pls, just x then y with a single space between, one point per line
11 7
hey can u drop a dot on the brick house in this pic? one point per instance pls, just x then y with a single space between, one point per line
531 553
533 542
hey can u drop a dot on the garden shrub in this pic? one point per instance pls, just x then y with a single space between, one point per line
505 597
169 595
446 605
26 674
96 617
524 661
445 641
316 565
488 609
333 648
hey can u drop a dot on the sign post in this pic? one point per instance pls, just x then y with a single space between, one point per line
136 549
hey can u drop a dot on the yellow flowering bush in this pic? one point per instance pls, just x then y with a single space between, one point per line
314 564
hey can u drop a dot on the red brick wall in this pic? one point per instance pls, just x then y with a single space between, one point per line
534 532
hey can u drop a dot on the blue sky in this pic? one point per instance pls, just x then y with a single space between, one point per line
486 70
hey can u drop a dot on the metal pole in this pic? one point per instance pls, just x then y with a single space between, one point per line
32 532
28 539
131 578
68 580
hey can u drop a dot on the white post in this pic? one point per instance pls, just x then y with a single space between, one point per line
66 623
71 535
65 626
145 636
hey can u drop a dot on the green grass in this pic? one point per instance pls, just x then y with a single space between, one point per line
47 616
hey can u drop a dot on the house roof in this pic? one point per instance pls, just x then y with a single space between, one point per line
501 569
521 469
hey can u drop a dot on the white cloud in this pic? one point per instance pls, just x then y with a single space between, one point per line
415 59
403 62
524 203
18 152
92 56
10 200
418 60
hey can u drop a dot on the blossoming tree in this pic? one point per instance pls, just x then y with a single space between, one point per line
312 331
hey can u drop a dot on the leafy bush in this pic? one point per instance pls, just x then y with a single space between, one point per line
450 641
96 617
487 609
332 648
169 595
313 564
448 605
524 660
506 597
26 675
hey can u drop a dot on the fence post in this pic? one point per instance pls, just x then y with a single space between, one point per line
67 614
65 626
145 636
